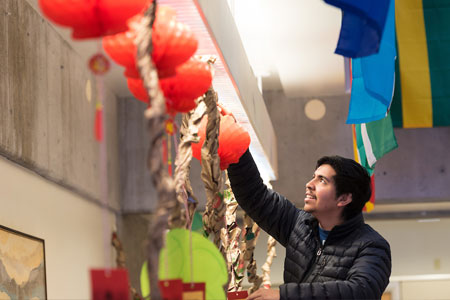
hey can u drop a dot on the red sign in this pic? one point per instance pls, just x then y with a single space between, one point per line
109 284
237 295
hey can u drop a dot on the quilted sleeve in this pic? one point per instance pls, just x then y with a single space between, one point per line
366 279
271 211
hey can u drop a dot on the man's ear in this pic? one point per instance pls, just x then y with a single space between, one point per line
344 199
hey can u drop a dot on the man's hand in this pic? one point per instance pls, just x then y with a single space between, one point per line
265 294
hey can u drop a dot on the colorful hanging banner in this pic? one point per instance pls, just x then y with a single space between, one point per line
371 141
373 78
422 93
362 26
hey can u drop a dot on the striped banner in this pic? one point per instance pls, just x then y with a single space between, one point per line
371 141
422 89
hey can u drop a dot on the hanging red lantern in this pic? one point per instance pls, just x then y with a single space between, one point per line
191 80
173 43
233 141
180 45
136 87
94 18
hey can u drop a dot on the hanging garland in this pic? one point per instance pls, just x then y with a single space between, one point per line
231 235
185 194
213 217
271 253
251 237
120 262
156 116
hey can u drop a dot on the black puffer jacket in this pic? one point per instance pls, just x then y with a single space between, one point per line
354 263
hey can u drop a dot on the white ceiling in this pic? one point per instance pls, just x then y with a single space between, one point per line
295 41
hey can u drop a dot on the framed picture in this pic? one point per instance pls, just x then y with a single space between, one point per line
22 266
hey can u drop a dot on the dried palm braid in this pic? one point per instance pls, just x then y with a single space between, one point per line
156 116
251 237
188 135
213 217
120 262
231 238
271 253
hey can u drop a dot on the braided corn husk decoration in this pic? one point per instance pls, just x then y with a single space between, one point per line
188 134
271 253
156 116
251 237
230 236
213 217
120 262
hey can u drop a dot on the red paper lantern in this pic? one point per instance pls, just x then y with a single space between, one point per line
136 87
93 18
233 141
173 43
191 80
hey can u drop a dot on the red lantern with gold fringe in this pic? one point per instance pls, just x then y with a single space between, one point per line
191 80
173 43
94 18
233 141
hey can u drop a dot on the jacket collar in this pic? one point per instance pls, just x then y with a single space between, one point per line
348 226
341 230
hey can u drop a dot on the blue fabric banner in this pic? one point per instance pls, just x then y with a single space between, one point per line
362 26
374 78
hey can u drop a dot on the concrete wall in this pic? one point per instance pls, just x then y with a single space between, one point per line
46 118
138 193
298 156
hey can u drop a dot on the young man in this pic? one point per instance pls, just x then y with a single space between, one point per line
330 252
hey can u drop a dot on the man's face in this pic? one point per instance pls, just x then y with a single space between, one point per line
320 198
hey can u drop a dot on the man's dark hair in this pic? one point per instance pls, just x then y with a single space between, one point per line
350 178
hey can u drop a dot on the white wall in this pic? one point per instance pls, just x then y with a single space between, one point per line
417 247
71 227
420 257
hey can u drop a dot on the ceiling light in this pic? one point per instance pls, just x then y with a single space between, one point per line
315 109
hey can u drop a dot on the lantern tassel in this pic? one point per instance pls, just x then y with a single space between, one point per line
98 129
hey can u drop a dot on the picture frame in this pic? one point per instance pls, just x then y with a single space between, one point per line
22 265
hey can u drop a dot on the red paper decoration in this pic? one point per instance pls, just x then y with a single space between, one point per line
192 79
109 284
173 43
171 289
238 295
94 18
136 87
233 141
99 64
98 128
